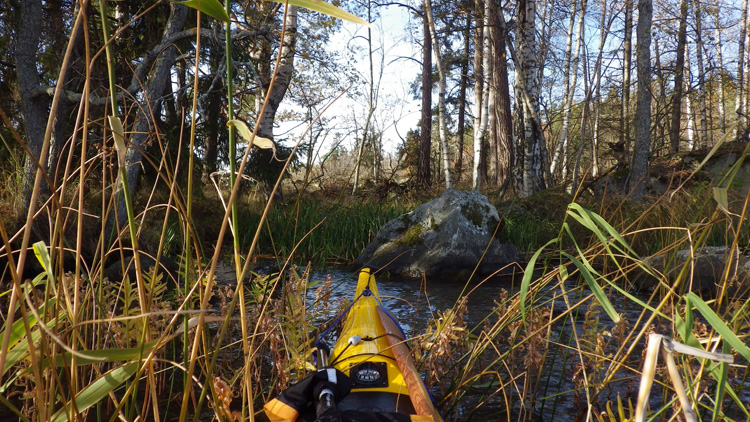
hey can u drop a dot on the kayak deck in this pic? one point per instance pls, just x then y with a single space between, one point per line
371 350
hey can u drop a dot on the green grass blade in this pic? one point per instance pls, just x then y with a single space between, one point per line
596 289
209 7
40 250
18 348
97 391
17 352
615 286
104 355
326 9
594 221
527 275
717 371
721 386
719 325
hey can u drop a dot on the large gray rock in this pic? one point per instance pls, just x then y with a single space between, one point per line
444 238
708 273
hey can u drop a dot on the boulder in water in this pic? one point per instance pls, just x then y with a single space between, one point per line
445 238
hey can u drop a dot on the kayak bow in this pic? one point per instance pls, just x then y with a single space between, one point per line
371 362
372 351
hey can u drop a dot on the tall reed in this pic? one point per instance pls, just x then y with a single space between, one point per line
138 342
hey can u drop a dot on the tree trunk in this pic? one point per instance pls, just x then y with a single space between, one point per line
442 127
532 137
505 152
702 119
720 70
371 106
283 76
33 105
639 163
461 125
627 53
213 123
584 134
155 88
674 133
571 77
662 103
741 77
425 136
597 95
482 77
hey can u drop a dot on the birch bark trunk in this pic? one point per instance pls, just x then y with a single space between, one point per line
283 75
482 75
442 128
570 83
720 59
533 140
739 94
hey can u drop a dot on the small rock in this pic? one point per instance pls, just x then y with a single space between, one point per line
708 273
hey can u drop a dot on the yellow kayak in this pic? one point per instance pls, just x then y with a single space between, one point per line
369 374
372 351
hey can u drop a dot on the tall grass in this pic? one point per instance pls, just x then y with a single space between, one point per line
145 341
563 346
319 231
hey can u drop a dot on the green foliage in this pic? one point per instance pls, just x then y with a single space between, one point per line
325 8
210 7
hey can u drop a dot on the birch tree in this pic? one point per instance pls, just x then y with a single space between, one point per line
371 102
442 129
720 60
482 74
283 73
530 139
605 26
464 84
572 57
741 77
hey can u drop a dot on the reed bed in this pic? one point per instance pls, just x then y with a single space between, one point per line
85 340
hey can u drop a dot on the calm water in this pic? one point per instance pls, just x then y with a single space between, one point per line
415 303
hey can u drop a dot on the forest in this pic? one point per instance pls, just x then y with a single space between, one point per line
176 177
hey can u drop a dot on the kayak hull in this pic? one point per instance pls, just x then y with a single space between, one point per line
372 351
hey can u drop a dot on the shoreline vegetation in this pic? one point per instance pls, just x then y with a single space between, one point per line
98 329
110 306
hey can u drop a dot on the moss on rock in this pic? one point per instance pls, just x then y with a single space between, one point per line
411 236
